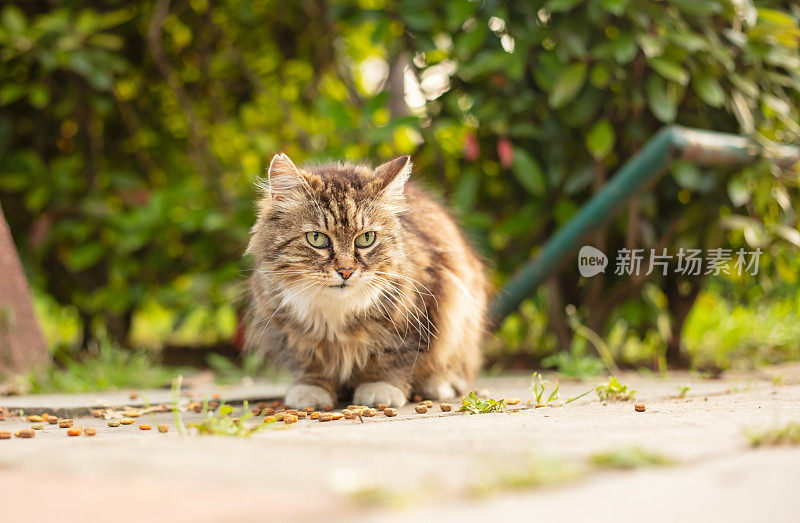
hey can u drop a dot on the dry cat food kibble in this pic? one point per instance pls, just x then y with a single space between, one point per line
314 415
113 423
301 415
65 423
163 428
52 420
325 416
417 398
290 418
308 410
74 431
144 426
37 426
336 415
639 407
35 418
390 412
368 412
25 433
5 434
446 407
90 431
381 406
427 403
512 401
127 421
421 409
268 411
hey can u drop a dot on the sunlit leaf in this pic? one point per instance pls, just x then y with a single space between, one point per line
568 84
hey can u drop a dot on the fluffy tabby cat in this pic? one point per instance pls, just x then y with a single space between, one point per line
363 284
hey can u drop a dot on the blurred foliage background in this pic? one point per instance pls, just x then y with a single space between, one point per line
131 134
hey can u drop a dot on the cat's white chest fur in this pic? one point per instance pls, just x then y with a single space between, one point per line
327 312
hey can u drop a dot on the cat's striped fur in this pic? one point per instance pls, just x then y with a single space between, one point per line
411 316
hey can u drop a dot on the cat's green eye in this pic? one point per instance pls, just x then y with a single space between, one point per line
317 239
365 240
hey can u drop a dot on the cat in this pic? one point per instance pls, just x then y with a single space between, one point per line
362 283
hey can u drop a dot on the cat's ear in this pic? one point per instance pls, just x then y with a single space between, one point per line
393 175
283 175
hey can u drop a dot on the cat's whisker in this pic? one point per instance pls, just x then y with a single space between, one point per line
421 312
416 314
382 309
418 292
412 280
395 303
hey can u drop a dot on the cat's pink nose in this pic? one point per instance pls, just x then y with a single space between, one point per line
345 273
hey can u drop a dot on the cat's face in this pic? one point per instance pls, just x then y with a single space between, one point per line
330 233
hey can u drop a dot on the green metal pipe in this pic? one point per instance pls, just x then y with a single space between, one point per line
704 148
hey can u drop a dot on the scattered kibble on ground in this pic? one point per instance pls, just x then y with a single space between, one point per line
35 418
446 407
90 431
5 434
37 426
381 406
144 426
639 407
421 409
65 423
512 401
390 412
52 420
113 423
163 428
25 433
74 431
127 421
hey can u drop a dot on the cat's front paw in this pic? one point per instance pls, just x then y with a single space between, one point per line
438 389
370 394
301 396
